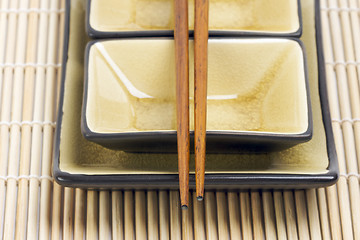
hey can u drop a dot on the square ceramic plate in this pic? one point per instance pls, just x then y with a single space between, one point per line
134 18
258 95
80 163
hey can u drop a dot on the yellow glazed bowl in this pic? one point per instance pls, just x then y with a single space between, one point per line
114 18
257 94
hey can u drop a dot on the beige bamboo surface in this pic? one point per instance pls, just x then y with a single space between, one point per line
33 206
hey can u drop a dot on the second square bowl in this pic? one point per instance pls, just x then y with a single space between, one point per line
132 18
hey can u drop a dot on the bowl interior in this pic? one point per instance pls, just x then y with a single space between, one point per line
278 16
255 85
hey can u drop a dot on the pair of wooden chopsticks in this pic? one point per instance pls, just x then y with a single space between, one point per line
181 34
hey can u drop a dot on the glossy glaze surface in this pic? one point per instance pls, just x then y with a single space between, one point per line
253 85
279 16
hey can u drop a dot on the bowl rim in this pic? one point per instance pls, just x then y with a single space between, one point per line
98 34
212 135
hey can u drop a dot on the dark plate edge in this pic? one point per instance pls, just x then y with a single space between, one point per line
213 181
56 154
333 167
93 33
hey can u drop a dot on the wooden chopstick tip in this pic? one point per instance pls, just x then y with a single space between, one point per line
184 207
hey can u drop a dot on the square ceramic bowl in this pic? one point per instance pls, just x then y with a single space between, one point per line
257 94
132 18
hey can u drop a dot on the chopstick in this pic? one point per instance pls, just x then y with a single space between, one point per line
181 35
182 94
200 59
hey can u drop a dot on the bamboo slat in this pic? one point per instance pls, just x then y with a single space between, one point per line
29 82
210 216
36 143
68 219
301 213
48 130
152 215
269 215
323 212
280 214
199 218
33 206
355 30
129 229
3 162
117 204
175 215
7 56
334 212
313 214
234 215
92 215
332 197
16 76
290 214
345 81
3 29
354 92
187 221
164 215
140 215
57 209
79 218
222 215
104 215
257 218
245 211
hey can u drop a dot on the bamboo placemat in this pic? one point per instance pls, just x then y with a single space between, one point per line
33 206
